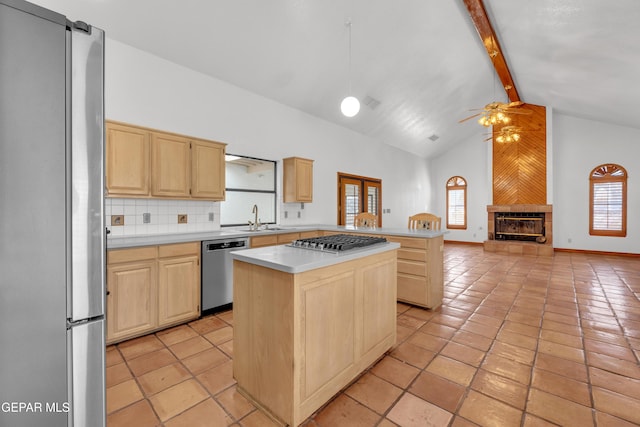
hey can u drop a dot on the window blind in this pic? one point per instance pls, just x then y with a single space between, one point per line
607 206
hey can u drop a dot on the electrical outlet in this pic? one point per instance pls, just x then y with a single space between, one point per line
182 218
211 216
286 214
298 214
146 218
117 220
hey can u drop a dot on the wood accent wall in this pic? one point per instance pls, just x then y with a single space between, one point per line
520 168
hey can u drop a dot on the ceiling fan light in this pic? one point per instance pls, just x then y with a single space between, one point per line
350 106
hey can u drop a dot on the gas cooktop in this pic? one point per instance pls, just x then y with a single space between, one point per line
337 242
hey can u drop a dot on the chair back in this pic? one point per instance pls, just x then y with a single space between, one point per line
424 220
365 219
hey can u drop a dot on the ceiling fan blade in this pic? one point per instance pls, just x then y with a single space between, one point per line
469 118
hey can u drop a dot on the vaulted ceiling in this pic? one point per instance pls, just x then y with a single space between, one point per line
418 66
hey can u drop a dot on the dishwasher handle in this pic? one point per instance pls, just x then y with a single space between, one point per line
217 246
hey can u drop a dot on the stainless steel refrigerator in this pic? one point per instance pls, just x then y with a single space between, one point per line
52 233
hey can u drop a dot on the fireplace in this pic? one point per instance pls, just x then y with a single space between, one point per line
523 226
520 229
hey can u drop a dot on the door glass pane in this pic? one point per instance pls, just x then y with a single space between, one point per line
372 200
352 202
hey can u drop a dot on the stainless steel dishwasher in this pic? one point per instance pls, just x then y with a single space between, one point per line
217 272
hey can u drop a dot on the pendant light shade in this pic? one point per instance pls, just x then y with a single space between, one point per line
350 106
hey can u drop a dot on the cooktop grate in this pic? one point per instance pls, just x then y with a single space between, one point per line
337 242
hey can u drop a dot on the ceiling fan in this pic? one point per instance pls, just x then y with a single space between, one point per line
506 134
497 113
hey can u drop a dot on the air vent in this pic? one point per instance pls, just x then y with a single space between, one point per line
371 102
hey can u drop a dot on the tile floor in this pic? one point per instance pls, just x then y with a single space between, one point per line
519 341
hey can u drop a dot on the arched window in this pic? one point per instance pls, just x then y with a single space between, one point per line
608 201
457 203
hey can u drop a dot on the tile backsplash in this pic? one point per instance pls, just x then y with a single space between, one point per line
163 216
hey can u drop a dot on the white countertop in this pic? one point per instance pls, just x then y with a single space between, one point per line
119 242
297 260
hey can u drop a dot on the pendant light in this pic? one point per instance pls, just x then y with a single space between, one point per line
350 105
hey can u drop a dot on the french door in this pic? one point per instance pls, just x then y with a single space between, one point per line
358 194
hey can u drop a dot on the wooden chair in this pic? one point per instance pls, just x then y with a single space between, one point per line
365 219
425 220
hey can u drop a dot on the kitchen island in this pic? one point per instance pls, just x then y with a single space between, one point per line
306 323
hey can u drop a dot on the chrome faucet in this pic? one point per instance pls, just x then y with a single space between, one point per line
256 224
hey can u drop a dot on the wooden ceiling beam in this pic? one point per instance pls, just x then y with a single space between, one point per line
490 41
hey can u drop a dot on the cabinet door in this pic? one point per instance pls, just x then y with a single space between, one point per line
170 165
378 304
127 160
207 170
304 180
178 289
131 299
297 180
327 330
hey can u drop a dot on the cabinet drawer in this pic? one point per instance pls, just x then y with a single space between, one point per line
115 256
179 249
408 242
412 289
287 238
259 241
412 254
309 234
412 267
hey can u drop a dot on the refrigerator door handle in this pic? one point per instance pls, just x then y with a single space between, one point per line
85 200
87 401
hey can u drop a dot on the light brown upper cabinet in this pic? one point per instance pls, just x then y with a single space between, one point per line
127 160
143 162
207 182
170 165
297 179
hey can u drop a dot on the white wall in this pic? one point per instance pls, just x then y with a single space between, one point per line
579 146
146 90
470 160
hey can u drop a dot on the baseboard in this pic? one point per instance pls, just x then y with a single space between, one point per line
460 242
588 251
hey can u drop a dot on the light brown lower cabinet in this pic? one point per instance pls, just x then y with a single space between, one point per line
151 288
420 275
420 268
300 338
